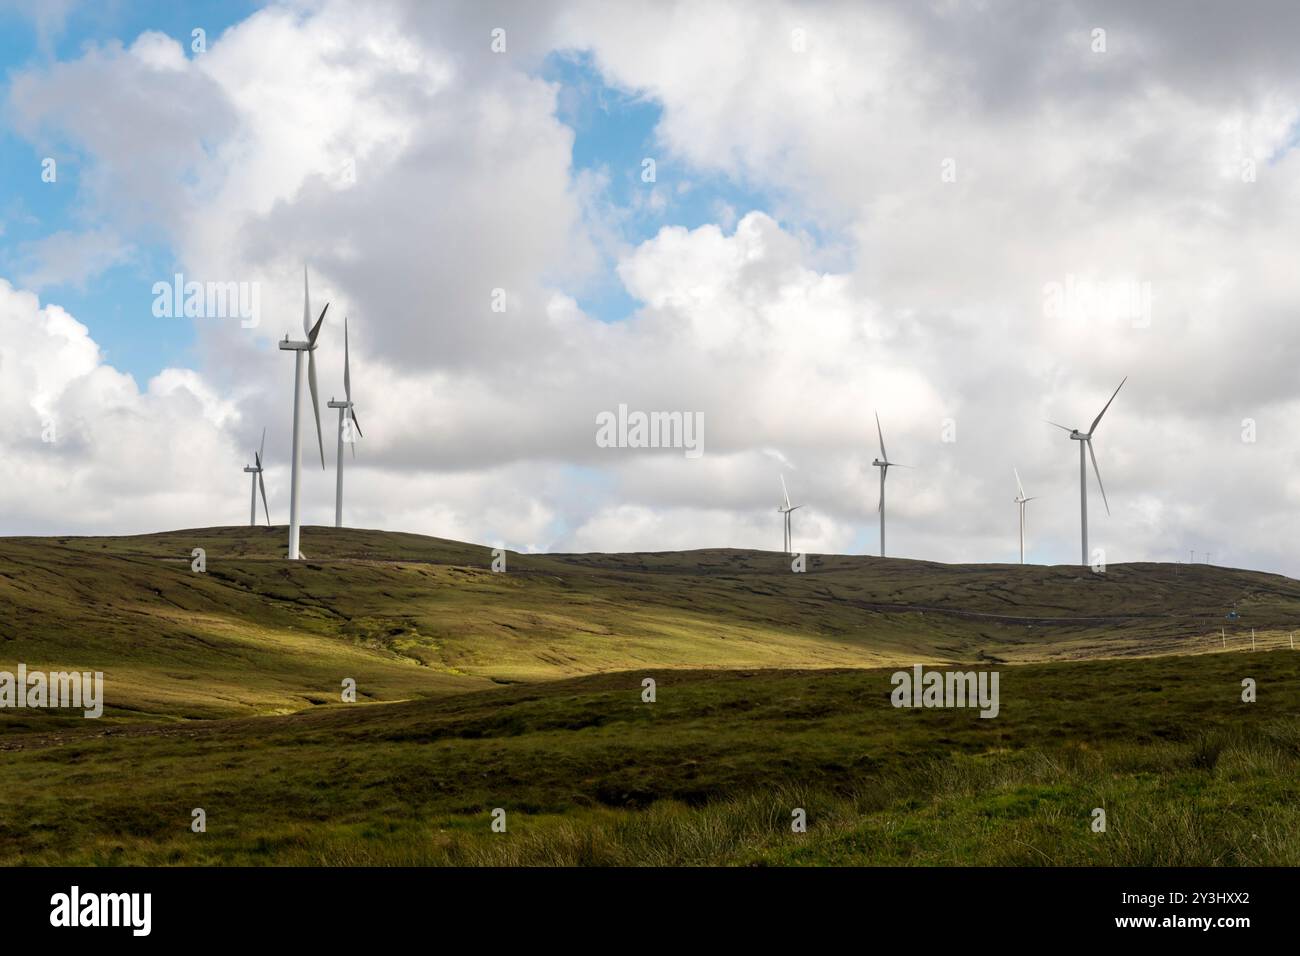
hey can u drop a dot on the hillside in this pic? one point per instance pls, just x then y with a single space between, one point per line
411 616
707 774
522 690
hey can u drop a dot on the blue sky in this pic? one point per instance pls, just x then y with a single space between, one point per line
31 209
614 132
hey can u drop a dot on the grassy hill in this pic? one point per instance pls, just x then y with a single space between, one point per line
409 616
522 691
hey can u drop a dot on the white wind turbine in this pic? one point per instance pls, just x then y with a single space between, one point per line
785 510
1085 438
256 472
884 464
298 348
346 412
1021 500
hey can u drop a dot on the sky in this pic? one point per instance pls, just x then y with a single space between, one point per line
779 219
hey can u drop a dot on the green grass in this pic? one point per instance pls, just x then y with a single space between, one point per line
708 774
408 616
522 690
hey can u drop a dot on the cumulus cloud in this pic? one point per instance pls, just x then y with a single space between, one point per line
86 449
978 165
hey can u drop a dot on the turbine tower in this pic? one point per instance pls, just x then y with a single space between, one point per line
298 348
884 464
1085 439
785 511
256 472
1021 500
346 411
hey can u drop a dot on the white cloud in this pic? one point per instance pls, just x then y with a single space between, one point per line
85 449
480 424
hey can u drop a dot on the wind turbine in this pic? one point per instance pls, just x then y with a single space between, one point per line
1021 500
345 410
298 348
256 472
785 511
1085 439
884 464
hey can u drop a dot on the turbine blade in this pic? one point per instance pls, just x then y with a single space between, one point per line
357 424
1107 405
1019 487
347 375
315 402
262 448
880 432
257 460
312 335
1061 427
315 329
262 484
794 508
1097 472
785 494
